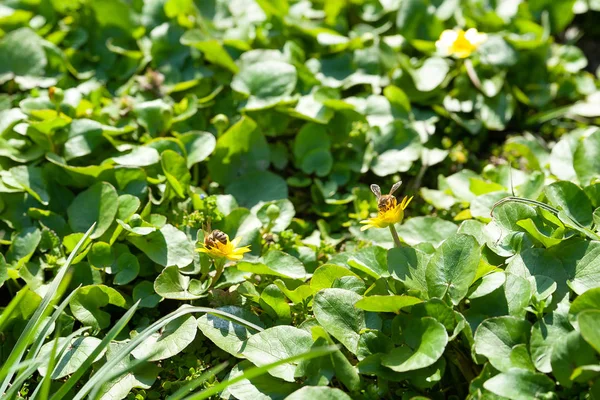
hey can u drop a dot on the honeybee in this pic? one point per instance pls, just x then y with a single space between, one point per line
215 236
387 201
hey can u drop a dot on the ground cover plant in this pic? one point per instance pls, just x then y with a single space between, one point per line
277 199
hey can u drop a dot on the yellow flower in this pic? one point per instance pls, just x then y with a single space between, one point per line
217 245
459 43
389 210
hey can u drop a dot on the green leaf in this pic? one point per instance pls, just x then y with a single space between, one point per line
211 48
417 20
586 159
98 204
318 393
241 149
144 291
261 387
100 255
276 344
114 13
370 260
431 74
85 135
495 51
228 335
426 229
258 186
198 145
267 83
171 284
496 337
133 376
142 156
273 302
173 339
539 262
31 180
408 265
487 285
176 171
86 304
570 351
541 232
276 263
590 300
453 321
298 294
126 269
3 271
496 112
326 274
373 342
23 245
335 311
155 116
78 349
312 149
22 54
569 197
425 340
581 260
519 384
284 218
589 321
389 303
545 334
453 267
518 292
167 246
128 205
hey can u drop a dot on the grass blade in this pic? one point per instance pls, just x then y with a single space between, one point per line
38 315
114 331
115 374
34 364
43 388
257 371
190 386
18 382
39 341
100 375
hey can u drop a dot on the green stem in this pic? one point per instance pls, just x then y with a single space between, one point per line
472 74
524 201
419 178
395 235
219 267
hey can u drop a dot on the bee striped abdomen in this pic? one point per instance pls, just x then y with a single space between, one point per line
386 203
215 236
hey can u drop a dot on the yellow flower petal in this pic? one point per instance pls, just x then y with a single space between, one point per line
387 217
459 43
228 250
236 241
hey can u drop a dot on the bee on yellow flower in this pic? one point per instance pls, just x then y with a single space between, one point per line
389 211
218 246
459 43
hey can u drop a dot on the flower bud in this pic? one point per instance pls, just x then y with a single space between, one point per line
56 95
273 212
221 122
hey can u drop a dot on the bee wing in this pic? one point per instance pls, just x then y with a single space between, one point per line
376 190
395 187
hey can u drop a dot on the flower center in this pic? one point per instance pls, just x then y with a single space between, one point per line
462 44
